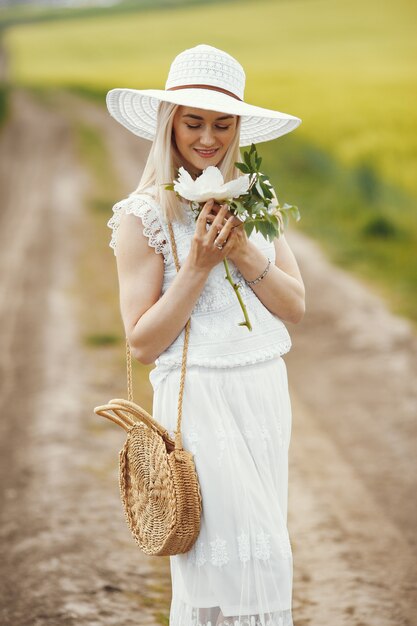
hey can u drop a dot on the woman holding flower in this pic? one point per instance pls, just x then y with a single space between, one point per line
236 406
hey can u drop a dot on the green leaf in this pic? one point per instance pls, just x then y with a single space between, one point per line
295 213
258 191
170 187
243 168
259 188
238 208
275 221
285 218
247 159
248 228
266 190
292 210
257 207
262 227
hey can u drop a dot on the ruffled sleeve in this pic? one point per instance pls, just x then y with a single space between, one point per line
144 207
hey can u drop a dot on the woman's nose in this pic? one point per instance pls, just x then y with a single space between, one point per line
207 137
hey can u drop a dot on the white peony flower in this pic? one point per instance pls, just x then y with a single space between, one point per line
209 184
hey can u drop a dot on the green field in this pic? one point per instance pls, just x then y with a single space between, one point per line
347 69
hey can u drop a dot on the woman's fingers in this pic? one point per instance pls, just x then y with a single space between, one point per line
201 220
236 221
220 232
221 226
216 209
227 246
225 232
217 223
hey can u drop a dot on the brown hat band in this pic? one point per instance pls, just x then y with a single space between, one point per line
228 93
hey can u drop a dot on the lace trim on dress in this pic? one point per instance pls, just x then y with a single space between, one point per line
229 360
254 620
141 206
182 613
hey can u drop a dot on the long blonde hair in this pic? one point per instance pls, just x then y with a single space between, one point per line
164 161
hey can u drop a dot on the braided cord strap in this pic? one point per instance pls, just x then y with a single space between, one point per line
178 437
129 372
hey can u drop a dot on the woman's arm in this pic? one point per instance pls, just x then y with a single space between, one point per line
152 322
282 289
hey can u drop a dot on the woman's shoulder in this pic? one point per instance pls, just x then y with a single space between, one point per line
142 204
138 202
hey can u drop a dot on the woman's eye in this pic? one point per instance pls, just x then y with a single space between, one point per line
218 127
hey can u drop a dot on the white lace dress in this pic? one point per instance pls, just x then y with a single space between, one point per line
237 423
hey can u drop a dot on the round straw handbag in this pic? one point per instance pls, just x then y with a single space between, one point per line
158 480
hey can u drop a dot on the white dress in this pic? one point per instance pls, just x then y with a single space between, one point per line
237 423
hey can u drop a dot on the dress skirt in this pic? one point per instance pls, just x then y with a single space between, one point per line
237 424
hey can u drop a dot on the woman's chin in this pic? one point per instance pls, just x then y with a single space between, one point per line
201 163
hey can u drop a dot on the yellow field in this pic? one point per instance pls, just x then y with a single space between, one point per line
348 69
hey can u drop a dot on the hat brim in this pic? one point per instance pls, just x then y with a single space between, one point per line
136 110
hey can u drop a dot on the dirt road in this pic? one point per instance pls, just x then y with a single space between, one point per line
67 556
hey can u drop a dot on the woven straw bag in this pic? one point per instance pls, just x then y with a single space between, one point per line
158 480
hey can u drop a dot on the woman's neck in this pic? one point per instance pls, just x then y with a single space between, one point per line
193 171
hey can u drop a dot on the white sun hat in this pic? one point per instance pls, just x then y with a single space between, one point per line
202 77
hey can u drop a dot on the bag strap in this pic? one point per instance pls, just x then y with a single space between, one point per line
178 437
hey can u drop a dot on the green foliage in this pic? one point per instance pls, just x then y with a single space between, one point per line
102 339
367 181
380 227
259 208
4 103
368 227
353 87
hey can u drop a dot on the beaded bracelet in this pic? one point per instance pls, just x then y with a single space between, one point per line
264 273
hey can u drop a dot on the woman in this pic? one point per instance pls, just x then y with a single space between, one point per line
236 407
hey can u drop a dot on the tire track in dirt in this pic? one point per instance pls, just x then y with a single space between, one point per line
66 555
352 370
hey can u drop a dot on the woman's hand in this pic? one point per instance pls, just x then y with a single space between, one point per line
204 252
238 238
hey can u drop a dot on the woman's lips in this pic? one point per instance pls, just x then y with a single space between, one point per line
206 154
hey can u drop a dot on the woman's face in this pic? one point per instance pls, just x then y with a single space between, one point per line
202 137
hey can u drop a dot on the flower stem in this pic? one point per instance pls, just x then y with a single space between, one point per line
236 288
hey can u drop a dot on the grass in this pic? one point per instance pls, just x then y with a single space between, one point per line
364 224
347 69
4 91
4 104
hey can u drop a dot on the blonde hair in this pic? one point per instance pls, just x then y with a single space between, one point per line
164 160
